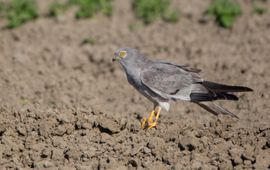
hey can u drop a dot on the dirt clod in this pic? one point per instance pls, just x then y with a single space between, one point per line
107 125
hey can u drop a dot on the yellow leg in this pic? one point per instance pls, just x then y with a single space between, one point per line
150 122
157 113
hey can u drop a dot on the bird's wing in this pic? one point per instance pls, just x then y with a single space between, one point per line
185 66
169 80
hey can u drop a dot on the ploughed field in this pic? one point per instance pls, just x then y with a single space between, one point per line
64 104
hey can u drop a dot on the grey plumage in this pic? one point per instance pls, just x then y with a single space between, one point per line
162 82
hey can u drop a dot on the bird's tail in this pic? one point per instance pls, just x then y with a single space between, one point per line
215 109
222 88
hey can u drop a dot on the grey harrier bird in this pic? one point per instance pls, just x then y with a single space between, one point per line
162 82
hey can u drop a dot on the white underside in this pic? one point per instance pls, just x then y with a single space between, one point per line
165 105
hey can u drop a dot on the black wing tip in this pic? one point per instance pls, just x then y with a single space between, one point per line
226 96
243 89
248 89
200 97
225 88
210 97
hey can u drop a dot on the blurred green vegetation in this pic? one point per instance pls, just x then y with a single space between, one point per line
88 40
1 7
259 9
87 8
224 11
150 10
18 12
57 8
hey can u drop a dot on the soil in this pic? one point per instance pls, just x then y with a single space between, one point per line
65 105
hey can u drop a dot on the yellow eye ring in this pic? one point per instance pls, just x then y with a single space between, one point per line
122 54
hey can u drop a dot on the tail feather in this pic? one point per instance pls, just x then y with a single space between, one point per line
226 96
216 87
198 97
215 109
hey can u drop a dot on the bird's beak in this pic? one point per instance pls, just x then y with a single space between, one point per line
116 58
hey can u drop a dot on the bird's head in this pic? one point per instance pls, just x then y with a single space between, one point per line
125 55
130 58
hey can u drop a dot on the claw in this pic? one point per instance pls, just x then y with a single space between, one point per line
144 121
151 121
147 121
154 124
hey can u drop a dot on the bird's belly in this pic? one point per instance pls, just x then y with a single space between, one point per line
146 92
140 88
150 95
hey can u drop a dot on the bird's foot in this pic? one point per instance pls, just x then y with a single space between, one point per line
144 122
152 125
149 122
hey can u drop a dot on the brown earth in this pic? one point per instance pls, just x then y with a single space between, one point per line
65 105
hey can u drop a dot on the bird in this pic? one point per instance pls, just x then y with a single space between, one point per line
163 82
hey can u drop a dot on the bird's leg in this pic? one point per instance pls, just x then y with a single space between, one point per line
154 123
151 121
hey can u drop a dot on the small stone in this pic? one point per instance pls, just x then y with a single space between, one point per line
58 142
45 153
236 155
72 154
133 162
247 162
78 125
225 164
151 145
60 130
62 118
188 143
123 122
199 133
133 151
21 130
31 114
69 129
108 125
47 164
248 153
146 150
57 154
42 164
87 125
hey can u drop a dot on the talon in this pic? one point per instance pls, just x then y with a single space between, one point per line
147 121
150 118
151 121
143 123
154 124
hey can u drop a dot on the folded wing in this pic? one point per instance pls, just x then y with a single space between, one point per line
181 82
170 81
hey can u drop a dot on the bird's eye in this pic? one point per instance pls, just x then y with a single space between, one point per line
122 54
